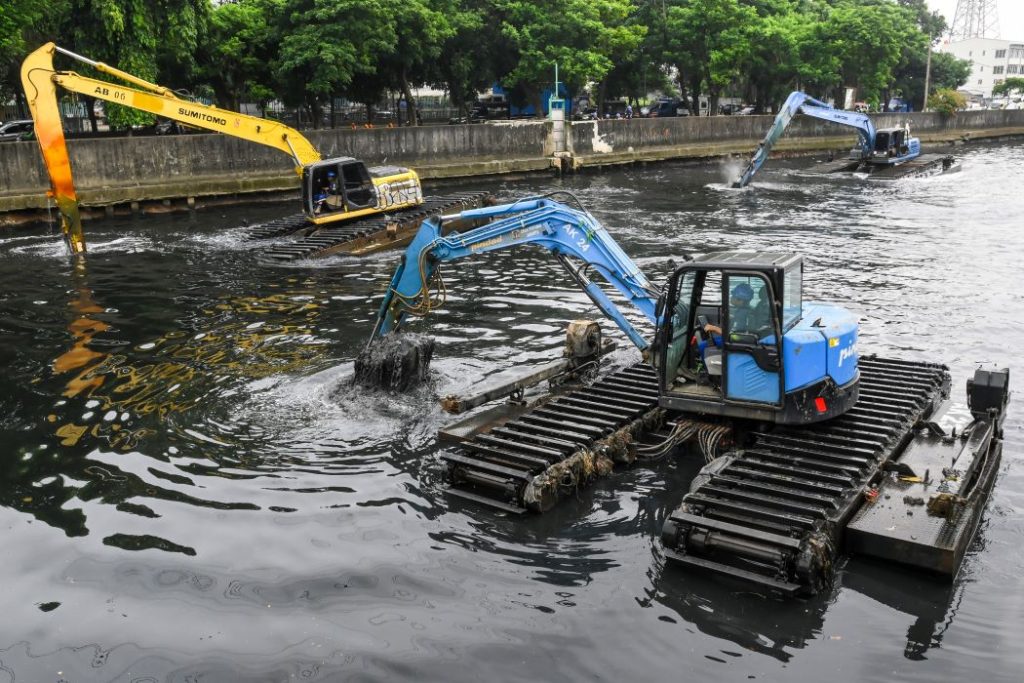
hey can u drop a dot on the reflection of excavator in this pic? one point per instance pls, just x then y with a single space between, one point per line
800 433
885 153
333 190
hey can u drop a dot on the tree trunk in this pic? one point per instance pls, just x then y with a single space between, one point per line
314 111
602 94
369 112
695 95
410 103
333 110
90 109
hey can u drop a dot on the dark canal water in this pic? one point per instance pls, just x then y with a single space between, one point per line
190 492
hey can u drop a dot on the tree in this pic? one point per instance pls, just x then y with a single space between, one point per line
421 29
947 102
709 42
1008 86
236 58
325 44
869 41
471 57
138 37
584 37
24 26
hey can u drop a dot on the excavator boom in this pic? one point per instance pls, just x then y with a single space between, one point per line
562 230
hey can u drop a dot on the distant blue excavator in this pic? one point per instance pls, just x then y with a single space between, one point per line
887 153
734 337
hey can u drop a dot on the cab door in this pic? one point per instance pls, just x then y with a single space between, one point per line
675 329
357 186
751 341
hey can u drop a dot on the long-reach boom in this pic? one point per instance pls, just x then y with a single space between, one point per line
40 81
802 103
562 230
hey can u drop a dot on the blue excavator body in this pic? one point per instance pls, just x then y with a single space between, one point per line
797 365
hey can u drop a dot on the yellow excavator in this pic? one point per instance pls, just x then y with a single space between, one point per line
333 190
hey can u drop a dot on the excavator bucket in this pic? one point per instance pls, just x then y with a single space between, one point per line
397 362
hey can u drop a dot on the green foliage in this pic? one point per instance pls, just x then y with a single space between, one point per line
584 37
947 102
236 55
306 52
1011 84
24 24
710 42
137 36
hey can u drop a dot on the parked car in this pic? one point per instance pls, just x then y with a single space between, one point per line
585 114
664 108
14 130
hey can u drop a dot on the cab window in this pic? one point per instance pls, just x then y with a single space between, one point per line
749 307
792 296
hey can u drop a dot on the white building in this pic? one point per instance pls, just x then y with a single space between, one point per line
992 61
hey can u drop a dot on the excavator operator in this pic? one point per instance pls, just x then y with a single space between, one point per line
742 316
329 198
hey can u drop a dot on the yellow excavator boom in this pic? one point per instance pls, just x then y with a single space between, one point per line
40 81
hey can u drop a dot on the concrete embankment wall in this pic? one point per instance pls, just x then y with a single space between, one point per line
609 142
120 170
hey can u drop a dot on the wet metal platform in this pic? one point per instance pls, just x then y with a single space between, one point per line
923 166
926 513
774 510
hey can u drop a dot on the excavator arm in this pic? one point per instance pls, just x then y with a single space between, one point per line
40 81
801 103
564 231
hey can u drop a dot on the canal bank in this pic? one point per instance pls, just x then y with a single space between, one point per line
169 172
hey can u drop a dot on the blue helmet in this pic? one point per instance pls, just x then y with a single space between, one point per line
331 174
743 291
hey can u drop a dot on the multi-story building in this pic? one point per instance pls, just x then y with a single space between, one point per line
992 61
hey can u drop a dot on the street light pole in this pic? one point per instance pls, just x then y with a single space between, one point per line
927 74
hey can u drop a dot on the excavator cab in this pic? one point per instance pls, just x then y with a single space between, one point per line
341 184
736 339
893 145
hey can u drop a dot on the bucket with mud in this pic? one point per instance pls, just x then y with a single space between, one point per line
397 362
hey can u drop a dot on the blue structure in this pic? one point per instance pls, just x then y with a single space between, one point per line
799 354
886 147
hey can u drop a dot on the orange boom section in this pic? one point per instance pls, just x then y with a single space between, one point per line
41 93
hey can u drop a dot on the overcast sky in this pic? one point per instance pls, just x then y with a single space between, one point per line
1011 16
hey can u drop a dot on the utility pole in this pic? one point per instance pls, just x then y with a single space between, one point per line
927 75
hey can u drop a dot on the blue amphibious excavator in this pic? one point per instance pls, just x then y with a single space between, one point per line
888 153
775 358
810 448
